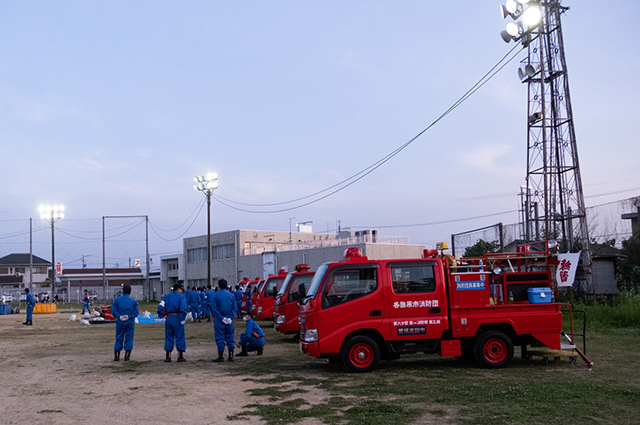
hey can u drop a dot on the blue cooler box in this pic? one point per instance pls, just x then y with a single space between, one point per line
539 295
5 308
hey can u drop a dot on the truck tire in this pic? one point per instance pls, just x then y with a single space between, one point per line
493 349
360 354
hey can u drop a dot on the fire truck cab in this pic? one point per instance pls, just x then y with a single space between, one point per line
360 310
267 294
294 289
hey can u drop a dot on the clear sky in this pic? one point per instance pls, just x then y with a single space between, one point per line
111 108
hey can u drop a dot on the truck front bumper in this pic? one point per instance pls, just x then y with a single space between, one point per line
310 348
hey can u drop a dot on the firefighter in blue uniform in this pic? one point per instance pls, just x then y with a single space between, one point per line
125 309
86 301
224 309
174 306
249 292
201 303
31 302
238 296
252 339
209 293
193 300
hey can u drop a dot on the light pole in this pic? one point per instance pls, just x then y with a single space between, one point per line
207 184
553 170
52 214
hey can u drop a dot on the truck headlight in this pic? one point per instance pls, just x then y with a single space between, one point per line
259 309
280 320
311 335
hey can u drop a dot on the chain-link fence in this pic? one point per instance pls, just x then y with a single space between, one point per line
609 223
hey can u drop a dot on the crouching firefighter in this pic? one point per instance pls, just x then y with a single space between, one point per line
125 309
252 339
224 309
174 307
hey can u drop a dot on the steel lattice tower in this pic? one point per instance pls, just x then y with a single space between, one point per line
553 198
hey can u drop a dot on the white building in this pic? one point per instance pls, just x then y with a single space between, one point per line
256 253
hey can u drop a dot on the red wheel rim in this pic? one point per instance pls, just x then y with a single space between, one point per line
495 350
361 355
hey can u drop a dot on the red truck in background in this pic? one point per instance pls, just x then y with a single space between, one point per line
247 291
254 296
361 311
293 290
267 294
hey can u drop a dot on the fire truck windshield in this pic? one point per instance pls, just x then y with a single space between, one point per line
283 288
317 280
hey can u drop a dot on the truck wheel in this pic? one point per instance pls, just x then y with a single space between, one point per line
493 349
360 354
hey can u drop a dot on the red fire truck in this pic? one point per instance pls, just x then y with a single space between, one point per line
254 296
294 289
267 294
360 310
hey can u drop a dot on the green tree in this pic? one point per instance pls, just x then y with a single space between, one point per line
630 267
480 248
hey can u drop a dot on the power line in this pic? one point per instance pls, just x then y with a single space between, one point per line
368 170
153 228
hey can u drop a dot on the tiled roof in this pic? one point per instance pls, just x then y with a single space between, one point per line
22 260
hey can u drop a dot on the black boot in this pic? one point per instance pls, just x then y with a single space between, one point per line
230 355
243 353
260 350
30 322
127 355
181 357
116 356
167 359
26 322
220 357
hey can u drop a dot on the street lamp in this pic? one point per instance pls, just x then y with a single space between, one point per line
52 214
207 184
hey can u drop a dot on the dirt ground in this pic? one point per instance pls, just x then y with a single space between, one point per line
61 372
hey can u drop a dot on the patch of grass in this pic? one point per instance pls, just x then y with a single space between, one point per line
374 412
622 313
275 393
419 385
291 411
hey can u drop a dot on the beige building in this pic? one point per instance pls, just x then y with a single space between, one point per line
252 253
18 271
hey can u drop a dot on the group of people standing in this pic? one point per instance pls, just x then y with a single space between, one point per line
220 305
199 302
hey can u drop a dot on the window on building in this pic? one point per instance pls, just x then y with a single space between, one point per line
19 269
196 283
197 255
39 270
222 252
413 279
4 270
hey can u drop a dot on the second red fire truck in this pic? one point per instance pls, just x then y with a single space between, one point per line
293 290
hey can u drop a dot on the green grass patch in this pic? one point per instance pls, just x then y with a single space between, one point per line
620 313
427 388
275 393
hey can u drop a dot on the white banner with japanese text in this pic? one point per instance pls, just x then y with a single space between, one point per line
567 266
